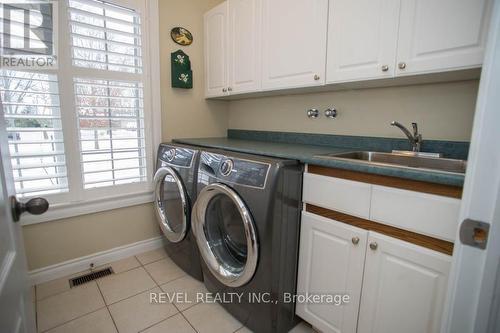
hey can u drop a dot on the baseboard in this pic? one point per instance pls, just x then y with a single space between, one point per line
76 265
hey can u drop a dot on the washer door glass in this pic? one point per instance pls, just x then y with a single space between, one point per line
226 235
171 205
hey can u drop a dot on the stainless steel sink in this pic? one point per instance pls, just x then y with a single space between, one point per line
402 160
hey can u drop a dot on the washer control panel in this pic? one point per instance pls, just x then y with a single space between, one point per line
236 171
177 156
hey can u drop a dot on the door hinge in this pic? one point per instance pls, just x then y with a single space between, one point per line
474 233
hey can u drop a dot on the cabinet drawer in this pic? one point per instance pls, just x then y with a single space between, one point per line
427 214
342 195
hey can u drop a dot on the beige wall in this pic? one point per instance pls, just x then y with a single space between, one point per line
443 111
185 113
56 241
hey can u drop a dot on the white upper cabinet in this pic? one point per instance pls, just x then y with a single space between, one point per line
404 287
440 35
244 57
362 37
215 24
293 43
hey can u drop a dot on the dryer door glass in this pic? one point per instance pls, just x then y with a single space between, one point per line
226 235
171 205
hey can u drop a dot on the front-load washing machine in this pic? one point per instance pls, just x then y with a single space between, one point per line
175 191
246 223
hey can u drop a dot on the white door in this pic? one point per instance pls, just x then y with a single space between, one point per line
244 41
362 39
474 293
404 287
293 43
16 299
331 260
215 25
441 35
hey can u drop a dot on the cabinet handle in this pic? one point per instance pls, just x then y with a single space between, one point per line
402 65
316 77
355 240
385 68
224 89
373 246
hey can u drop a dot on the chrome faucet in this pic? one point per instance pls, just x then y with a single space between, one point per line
415 138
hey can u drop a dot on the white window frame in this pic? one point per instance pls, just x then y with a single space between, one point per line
80 201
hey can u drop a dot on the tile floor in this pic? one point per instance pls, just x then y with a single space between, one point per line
121 302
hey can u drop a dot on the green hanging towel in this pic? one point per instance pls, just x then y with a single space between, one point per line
182 75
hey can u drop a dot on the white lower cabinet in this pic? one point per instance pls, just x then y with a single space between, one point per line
331 260
404 287
394 286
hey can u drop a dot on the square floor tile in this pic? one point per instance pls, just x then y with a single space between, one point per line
96 322
122 265
187 289
119 286
175 324
58 309
211 318
151 256
55 286
164 271
138 312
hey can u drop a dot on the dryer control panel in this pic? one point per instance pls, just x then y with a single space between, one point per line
181 157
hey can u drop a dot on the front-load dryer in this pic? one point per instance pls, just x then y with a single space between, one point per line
175 191
246 223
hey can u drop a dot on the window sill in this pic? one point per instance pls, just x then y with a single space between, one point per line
65 210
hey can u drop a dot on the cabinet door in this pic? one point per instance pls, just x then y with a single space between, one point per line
404 287
294 43
362 37
441 35
244 58
331 259
215 22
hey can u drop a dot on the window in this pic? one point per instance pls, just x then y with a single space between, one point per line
84 131
33 117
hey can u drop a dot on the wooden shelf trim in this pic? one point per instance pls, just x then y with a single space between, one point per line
404 235
405 184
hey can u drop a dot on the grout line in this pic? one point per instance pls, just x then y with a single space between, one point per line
185 318
107 308
175 314
141 292
83 315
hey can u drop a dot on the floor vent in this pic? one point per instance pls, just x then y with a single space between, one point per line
90 277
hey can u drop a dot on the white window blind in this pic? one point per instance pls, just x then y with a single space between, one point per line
33 115
111 126
105 36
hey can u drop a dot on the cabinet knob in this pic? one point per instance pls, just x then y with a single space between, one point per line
224 89
229 89
402 65
331 113
385 68
355 240
313 113
316 77
373 246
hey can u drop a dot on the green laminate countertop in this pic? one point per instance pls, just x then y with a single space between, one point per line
306 154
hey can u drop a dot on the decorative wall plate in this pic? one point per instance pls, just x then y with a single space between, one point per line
181 36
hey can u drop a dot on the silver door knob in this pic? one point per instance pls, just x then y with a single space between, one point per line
355 240
316 77
331 113
313 113
385 68
373 246
229 89
35 206
402 65
224 89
